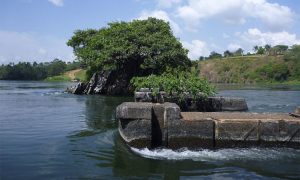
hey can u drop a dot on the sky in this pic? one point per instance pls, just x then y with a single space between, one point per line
37 30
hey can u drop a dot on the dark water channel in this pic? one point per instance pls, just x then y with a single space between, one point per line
48 134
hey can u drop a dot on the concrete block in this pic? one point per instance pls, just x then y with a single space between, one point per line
280 132
136 133
233 104
191 134
236 133
143 96
134 110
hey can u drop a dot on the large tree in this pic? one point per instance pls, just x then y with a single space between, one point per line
140 47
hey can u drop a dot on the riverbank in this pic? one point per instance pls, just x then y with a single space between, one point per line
73 75
251 70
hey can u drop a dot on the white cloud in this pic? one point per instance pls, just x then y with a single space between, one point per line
59 3
256 37
167 3
22 46
275 16
196 49
233 47
159 14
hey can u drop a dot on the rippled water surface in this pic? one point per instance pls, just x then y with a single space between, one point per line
48 134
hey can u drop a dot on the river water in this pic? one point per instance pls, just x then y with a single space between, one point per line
48 134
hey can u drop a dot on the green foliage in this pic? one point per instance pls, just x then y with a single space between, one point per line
239 52
140 47
260 50
23 71
34 71
292 57
56 67
73 65
254 68
59 78
227 53
179 84
214 54
273 72
81 76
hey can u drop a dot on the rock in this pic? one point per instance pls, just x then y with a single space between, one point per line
77 89
108 82
92 84
229 103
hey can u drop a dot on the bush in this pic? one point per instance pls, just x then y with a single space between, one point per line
179 84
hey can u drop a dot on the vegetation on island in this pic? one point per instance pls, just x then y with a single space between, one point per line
140 47
141 51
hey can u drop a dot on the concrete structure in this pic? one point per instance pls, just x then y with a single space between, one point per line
164 125
211 104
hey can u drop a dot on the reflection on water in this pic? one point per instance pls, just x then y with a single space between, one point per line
46 133
100 111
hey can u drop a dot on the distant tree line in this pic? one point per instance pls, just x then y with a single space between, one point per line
258 50
35 71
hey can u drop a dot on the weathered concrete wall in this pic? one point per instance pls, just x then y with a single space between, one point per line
154 125
211 104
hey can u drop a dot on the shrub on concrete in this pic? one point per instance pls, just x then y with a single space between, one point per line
179 84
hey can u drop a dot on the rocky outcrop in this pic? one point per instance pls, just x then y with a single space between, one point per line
77 89
210 104
104 82
153 125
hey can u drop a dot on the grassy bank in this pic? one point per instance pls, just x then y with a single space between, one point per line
77 74
250 69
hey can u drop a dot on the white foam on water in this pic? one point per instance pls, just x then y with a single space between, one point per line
221 154
53 93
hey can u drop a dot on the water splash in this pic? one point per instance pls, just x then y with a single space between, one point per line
221 154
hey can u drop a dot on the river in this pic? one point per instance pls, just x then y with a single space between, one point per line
48 134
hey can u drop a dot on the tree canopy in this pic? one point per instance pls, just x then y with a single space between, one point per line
35 71
140 47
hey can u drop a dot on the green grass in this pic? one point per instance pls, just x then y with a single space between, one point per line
81 76
249 70
60 78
